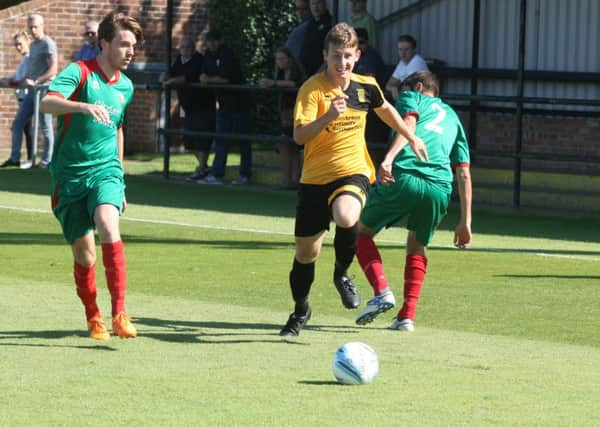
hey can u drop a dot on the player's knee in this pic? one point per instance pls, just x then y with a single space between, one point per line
85 258
307 256
108 228
347 216
346 220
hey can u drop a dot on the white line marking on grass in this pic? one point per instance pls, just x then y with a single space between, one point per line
283 233
17 208
164 222
211 227
580 257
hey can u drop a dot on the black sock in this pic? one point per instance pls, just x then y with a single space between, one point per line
301 279
344 244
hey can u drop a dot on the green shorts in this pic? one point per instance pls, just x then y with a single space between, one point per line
74 205
423 202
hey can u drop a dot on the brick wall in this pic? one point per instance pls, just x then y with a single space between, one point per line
64 21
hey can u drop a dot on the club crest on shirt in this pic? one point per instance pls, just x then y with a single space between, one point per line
361 95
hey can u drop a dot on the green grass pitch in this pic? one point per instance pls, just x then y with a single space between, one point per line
507 331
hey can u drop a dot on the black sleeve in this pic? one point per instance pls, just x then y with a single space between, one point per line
194 69
375 96
227 66
176 68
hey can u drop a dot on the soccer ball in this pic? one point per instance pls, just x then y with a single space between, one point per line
355 363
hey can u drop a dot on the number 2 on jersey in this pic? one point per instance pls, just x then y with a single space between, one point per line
434 125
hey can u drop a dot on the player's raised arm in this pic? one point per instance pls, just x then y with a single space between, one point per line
462 234
57 105
391 117
309 131
384 173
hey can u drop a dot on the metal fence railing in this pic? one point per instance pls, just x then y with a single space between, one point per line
516 102
36 93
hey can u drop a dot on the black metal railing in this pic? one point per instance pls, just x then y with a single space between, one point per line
518 108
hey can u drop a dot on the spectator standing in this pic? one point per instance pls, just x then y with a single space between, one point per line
222 66
311 54
198 105
42 68
362 19
288 73
417 190
370 62
88 189
410 62
90 48
21 41
296 36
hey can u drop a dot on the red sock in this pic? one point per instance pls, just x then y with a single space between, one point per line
414 275
113 257
85 280
370 261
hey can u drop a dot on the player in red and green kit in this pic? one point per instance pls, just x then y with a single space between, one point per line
416 189
88 191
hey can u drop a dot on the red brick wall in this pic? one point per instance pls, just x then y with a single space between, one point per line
64 21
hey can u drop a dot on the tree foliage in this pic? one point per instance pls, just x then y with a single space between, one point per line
254 29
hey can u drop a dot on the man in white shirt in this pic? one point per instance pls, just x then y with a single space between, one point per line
410 61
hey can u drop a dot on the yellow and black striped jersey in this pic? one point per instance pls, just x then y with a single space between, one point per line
340 149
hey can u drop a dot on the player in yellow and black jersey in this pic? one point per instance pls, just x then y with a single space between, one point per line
329 121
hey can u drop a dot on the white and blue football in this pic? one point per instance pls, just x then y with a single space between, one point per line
355 363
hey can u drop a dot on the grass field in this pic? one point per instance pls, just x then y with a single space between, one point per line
507 332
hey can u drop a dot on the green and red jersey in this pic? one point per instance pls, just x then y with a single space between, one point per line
87 149
440 129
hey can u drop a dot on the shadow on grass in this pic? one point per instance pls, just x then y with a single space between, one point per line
48 335
51 239
184 331
152 191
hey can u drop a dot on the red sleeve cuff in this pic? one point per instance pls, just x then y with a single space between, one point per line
56 94
411 113
460 165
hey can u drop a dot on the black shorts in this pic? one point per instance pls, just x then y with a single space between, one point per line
313 213
200 121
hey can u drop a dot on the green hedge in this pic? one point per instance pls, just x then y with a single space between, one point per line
254 29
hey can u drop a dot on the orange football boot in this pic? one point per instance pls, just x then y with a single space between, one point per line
98 329
123 327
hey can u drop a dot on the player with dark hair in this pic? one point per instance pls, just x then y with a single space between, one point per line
88 190
418 190
329 121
